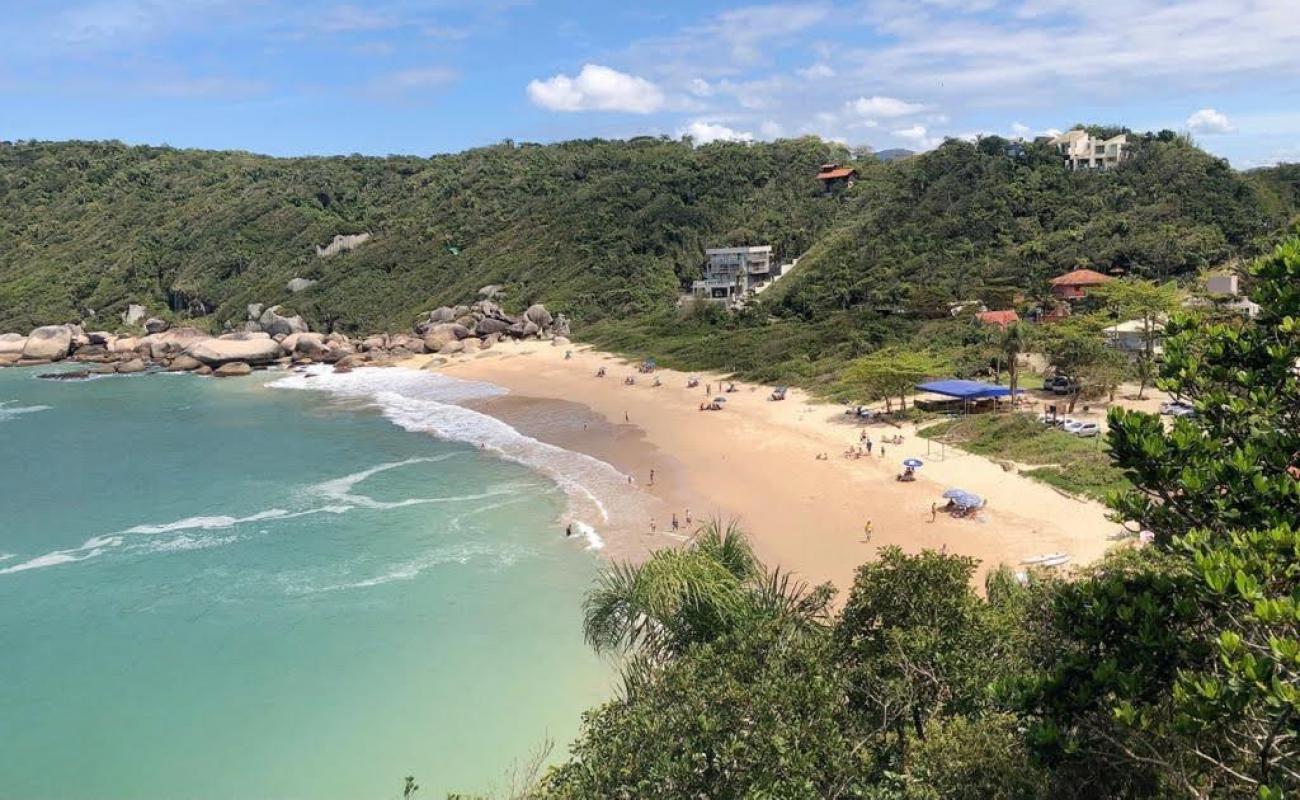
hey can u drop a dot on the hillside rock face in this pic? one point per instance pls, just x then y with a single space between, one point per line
133 314
342 243
155 325
48 343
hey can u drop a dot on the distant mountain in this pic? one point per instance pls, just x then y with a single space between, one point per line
894 154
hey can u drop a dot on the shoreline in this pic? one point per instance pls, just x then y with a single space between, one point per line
755 461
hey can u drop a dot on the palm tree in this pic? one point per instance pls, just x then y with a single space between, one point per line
695 594
1015 339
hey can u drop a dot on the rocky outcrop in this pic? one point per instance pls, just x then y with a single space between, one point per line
491 292
48 343
276 324
232 369
299 284
133 314
216 352
166 345
155 325
132 366
539 316
342 244
490 325
183 363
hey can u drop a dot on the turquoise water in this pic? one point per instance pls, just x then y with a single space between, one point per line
213 589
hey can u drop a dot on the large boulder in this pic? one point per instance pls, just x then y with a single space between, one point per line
12 344
491 292
184 363
442 314
538 315
48 343
215 352
489 326
379 342
168 344
255 311
132 366
442 333
470 345
560 327
452 347
245 336
124 344
299 284
560 341
307 345
100 337
155 325
276 324
232 369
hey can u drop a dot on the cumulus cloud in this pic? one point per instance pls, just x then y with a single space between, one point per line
597 88
704 132
885 107
918 136
1209 121
1020 129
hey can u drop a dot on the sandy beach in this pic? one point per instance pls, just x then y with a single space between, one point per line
756 461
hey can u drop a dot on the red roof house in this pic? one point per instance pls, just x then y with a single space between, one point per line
1074 285
833 175
1000 318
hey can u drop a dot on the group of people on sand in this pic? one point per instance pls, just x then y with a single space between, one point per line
676 523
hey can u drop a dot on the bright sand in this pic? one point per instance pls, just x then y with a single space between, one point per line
756 461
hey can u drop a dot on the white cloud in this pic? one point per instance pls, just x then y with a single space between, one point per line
771 129
1209 121
918 136
818 71
886 107
597 88
414 80
1020 129
700 87
350 18
747 29
704 132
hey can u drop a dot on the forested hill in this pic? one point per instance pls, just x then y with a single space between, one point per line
600 229
590 227
966 219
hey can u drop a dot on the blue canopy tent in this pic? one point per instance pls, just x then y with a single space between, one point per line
966 390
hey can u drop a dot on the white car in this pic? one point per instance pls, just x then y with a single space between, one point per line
1177 408
1083 428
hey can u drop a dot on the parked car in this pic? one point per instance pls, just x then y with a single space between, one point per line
1084 429
1059 384
1177 408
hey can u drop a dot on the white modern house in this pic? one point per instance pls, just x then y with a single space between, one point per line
733 273
1082 151
1130 336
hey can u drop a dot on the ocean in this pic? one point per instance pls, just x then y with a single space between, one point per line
285 586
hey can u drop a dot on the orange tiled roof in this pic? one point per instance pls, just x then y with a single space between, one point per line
832 174
1080 277
1000 318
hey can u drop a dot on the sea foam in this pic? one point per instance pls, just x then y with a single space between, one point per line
9 411
428 402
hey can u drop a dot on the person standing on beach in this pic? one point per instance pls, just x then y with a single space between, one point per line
934 511
688 516
869 445
652 477
866 532
625 417
676 526
652 524
568 531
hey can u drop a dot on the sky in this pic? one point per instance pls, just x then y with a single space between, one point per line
412 77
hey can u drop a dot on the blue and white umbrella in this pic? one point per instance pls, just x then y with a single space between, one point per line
953 494
969 501
914 463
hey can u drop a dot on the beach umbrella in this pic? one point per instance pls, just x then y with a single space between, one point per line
914 463
953 494
969 501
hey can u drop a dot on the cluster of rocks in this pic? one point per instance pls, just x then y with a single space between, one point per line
449 330
273 338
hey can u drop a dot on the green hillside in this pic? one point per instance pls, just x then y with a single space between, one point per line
593 227
608 231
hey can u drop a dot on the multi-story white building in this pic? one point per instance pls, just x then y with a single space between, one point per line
735 272
1083 151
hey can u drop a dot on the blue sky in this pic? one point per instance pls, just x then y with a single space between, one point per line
403 76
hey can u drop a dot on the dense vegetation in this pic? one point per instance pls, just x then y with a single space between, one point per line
590 227
1171 670
610 232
